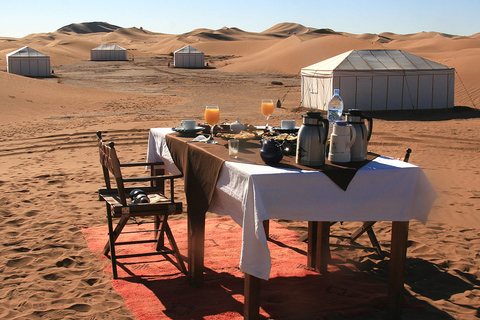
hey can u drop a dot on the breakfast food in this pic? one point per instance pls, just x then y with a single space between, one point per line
283 136
242 135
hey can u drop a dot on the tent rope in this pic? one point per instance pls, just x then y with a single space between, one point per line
290 88
468 93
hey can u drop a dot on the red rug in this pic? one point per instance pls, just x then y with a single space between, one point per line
153 288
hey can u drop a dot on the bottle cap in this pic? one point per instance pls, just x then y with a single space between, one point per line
336 91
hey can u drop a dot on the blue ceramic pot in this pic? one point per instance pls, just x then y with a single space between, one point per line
271 151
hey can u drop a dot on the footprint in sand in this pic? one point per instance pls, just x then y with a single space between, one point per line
66 263
19 262
80 307
50 276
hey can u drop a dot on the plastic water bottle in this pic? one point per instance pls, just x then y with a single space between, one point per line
335 110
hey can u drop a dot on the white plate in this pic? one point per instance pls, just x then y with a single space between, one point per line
180 129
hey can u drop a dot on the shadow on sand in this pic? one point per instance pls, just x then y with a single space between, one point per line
344 294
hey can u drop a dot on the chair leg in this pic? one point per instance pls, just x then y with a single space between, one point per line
111 243
156 226
374 241
114 233
367 225
160 237
173 243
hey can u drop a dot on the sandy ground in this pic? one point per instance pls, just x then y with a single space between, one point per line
49 174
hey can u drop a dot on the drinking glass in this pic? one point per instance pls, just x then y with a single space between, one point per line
267 109
212 115
233 145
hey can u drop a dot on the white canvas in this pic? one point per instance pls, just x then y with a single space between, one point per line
379 80
188 57
28 62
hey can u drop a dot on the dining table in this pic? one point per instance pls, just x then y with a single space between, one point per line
379 189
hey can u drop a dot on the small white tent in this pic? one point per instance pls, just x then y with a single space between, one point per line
188 57
379 80
108 52
28 62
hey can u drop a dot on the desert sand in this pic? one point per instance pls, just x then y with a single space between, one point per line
49 170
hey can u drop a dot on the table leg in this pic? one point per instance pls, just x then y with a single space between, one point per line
196 249
318 255
251 306
312 244
398 257
160 184
266 226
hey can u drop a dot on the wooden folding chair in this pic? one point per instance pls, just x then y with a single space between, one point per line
119 206
366 227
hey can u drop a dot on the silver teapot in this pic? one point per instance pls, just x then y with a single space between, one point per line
237 126
311 140
356 119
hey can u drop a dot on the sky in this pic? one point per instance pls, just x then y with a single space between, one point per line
459 17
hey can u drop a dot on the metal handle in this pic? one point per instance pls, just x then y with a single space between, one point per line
370 127
326 124
354 136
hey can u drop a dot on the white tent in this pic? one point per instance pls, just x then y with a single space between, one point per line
28 62
379 80
188 57
110 52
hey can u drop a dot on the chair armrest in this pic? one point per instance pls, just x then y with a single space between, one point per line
139 164
153 178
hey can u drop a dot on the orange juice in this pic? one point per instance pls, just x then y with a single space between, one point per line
267 108
212 115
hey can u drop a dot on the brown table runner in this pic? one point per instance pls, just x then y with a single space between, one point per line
200 169
201 162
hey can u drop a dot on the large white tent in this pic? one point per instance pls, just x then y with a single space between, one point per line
108 52
28 62
379 80
188 57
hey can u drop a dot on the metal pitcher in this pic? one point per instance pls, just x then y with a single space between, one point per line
356 119
311 140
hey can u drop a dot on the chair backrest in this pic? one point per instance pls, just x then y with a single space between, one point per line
111 165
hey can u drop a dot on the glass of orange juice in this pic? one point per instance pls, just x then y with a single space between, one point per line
212 115
267 109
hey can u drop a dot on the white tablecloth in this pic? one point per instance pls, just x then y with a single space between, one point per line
383 190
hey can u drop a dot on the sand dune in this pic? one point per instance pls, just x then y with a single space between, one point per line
88 27
283 48
49 169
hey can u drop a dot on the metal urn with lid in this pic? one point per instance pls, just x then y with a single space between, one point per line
356 119
311 139
341 140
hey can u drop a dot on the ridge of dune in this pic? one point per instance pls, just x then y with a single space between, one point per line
291 54
223 34
374 37
88 27
287 28
135 32
127 36
232 30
